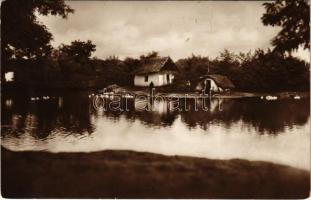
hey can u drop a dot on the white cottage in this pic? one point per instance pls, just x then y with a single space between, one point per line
156 71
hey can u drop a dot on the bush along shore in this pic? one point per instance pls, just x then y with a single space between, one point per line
128 174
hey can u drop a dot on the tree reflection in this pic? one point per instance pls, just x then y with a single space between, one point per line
43 117
265 116
74 113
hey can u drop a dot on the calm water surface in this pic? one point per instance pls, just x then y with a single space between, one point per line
253 129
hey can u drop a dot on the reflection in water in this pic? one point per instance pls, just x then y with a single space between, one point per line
252 129
40 118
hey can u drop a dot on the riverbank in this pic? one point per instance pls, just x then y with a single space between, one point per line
239 94
159 91
128 174
138 91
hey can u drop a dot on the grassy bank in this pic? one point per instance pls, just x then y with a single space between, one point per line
127 174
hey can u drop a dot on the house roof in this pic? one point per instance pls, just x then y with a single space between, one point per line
220 80
157 64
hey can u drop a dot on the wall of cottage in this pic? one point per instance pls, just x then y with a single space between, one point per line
157 79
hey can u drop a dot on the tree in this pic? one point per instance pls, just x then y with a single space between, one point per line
21 34
294 18
132 64
150 55
75 58
78 51
227 57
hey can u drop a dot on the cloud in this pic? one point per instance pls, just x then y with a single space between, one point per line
173 28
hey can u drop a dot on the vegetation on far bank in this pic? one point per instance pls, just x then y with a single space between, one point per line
28 52
256 72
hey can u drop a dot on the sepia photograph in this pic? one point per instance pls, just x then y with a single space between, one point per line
155 99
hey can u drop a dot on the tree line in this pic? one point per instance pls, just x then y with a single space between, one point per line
26 50
71 66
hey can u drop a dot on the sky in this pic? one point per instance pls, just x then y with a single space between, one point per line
175 29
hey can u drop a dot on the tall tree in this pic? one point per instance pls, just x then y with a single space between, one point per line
22 35
78 51
152 54
294 18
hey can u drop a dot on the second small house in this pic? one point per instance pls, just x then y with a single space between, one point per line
157 71
214 83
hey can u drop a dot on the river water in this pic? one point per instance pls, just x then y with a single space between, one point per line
248 128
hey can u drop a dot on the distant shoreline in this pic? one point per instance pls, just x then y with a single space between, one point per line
163 93
128 174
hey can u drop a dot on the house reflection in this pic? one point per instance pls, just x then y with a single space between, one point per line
165 105
152 105
155 112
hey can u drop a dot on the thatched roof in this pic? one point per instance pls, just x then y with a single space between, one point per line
157 64
220 80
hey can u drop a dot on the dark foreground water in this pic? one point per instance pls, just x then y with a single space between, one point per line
249 128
